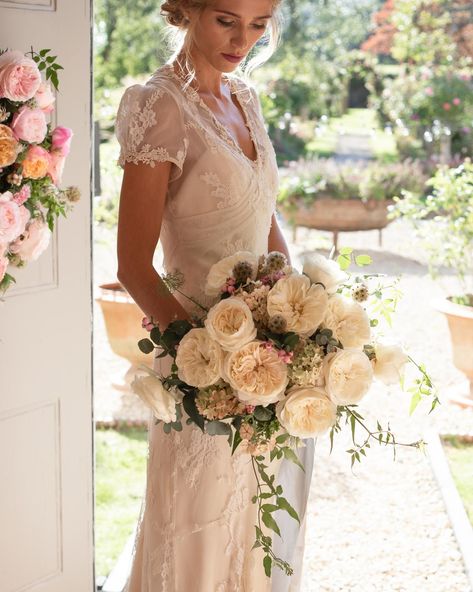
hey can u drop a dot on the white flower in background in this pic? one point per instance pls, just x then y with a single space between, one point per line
301 304
151 391
199 359
348 376
257 374
306 412
389 362
321 269
348 321
230 323
222 270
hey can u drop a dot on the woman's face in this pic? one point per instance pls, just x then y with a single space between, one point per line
226 31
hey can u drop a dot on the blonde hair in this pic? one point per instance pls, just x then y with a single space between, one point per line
181 31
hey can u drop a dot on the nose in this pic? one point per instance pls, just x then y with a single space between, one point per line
240 39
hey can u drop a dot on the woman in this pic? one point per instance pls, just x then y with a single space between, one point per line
200 175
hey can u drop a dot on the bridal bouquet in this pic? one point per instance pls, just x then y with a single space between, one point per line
32 157
281 356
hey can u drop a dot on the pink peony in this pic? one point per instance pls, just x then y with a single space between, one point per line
21 196
29 125
33 241
19 76
61 140
13 218
45 98
447 106
3 267
456 101
56 167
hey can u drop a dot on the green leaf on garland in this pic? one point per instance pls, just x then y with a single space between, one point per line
283 504
270 522
267 562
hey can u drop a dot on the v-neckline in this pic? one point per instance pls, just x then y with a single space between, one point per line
194 95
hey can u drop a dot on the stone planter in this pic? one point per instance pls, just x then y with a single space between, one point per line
460 323
339 215
123 324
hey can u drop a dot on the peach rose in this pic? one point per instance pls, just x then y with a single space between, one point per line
44 97
29 125
199 359
230 323
13 218
9 146
36 163
61 140
257 374
306 412
223 269
19 76
301 304
348 321
33 241
348 376
389 362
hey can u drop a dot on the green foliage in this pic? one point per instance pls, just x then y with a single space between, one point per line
444 219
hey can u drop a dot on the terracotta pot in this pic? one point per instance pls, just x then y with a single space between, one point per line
460 323
123 323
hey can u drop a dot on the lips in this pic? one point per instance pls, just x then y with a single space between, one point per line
232 58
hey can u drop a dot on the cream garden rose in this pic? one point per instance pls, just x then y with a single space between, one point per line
301 304
230 323
321 269
348 376
151 391
257 374
306 412
389 362
199 359
222 270
348 321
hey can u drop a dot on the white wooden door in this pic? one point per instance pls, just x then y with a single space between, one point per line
46 427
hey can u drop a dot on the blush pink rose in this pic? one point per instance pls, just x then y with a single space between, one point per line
44 98
29 125
33 241
21 196
456 101
19 76
11 220
3 267
61 140
56 167
447 106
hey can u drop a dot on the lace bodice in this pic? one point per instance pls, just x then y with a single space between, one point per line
219 201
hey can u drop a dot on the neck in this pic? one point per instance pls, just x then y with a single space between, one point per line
208 80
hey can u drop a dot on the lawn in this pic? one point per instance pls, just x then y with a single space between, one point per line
460 457
120 477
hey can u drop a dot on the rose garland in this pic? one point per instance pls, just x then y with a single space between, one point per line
32 157
282 356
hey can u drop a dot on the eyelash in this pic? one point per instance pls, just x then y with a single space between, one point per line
231 23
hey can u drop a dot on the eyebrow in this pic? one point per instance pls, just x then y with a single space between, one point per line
266 16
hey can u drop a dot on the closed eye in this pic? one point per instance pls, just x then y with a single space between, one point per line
228 24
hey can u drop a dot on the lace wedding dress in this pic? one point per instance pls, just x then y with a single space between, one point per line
196 526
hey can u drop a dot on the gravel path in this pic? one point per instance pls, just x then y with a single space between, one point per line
382 527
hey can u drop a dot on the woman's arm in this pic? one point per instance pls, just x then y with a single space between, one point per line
276 240
142 199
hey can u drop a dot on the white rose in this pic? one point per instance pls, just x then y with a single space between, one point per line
256 373
348 321
348 376
199 359
306 412
321 269
222 270
301 304
151 391
230 323
389 362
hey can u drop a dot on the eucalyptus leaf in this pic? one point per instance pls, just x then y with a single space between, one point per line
218 428
146 345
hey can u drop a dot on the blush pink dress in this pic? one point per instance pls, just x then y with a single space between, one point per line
197 521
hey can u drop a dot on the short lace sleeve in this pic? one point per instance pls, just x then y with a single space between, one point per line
150 128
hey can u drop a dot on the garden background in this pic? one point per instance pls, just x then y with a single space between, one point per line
365 101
